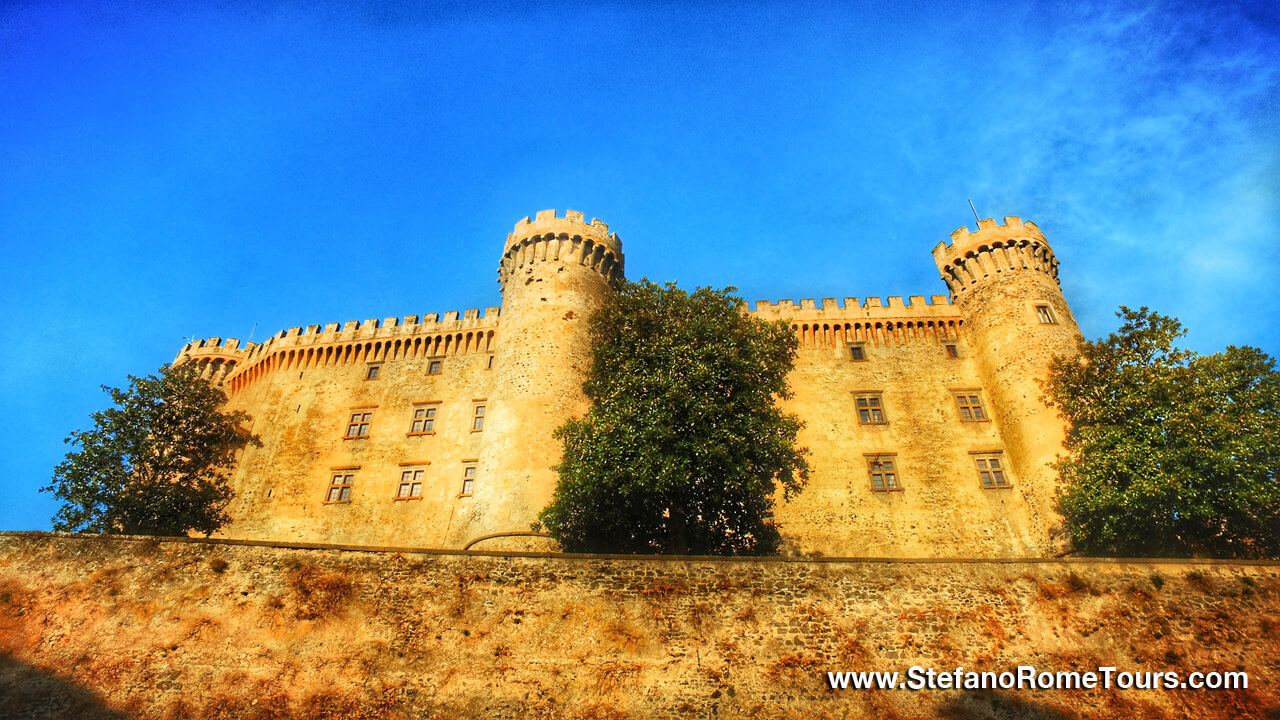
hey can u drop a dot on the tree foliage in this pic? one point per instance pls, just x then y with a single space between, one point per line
685 445
1171 454
154 464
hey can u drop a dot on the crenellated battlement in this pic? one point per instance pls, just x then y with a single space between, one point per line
877 321
569 239
573 224
469 403
850 308
216 357
228 348
991 231
362 341
994 248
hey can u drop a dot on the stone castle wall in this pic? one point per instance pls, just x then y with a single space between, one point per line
940 510
115 627
555 272
525 367
302 412
1004 280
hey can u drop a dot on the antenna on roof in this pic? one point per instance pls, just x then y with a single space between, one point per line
975 210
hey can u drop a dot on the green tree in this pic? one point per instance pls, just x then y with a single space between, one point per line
685 445
1171 454
154 464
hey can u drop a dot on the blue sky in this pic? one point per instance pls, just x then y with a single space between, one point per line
170 170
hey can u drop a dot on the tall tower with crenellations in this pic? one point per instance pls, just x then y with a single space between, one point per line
924 418
555 272
1004 281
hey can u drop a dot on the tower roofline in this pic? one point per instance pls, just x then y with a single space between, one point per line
573 224
563 240
990 234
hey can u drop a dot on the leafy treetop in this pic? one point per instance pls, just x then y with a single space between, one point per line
1171 454
685 445
154 464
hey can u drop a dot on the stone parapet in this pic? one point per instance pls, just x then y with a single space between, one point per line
346 342
145 627
993 249
566 240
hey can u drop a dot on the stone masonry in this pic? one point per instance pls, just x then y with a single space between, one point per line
95 627
434 431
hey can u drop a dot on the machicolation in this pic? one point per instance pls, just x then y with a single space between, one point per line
465 406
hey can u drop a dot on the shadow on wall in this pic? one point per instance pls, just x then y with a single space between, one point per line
30 693
992 705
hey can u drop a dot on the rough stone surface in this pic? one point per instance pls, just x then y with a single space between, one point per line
141 628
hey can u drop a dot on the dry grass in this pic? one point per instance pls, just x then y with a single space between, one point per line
614 675
728 650
1072 585
319 593
1201 582
661 592
793 668
850 652
699 616
625 635
1137 593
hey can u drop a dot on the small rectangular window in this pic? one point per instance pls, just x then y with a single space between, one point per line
424 420
410 485
468 479
883 472
1045 314
340 488
477 419
856 352
953 352
991 470
970 405
434 367
373 372
358 427
870 407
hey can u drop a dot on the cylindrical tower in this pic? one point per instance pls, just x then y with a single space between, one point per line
555 272
1004 281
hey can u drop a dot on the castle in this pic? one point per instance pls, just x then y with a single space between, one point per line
925 420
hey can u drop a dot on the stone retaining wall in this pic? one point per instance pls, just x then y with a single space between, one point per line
140 628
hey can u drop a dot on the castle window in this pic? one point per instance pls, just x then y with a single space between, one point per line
424 419
953 352
883 471
1045 314
373 372
410 485
477 419
857 352
870 408
358 427
468 479
991 470
969 403
340 488
433 367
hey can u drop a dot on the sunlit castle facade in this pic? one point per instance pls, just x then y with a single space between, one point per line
924 419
